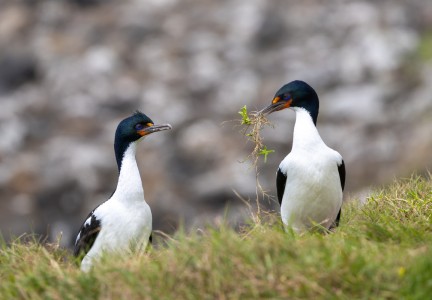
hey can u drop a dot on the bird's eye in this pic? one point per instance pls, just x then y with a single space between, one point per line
286 96
139 126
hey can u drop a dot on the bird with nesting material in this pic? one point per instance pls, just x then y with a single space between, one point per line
310 180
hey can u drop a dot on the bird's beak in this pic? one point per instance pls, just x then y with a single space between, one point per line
277 104
154 128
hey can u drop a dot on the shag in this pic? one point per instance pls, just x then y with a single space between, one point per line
310 180
125 219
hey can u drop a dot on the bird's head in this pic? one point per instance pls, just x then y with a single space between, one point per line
296 94
133 129
136 127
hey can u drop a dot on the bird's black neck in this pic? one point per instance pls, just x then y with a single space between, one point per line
120 148
314 113
311 105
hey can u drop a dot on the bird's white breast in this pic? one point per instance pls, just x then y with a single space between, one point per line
123 224
122 228
313 192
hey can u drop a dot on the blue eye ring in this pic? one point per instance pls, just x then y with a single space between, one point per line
139 126
286 96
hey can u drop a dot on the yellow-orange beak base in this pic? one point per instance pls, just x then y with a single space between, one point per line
153 128
277 104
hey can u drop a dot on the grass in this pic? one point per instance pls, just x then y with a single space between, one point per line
382 250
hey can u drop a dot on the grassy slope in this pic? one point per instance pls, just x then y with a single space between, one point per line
382 250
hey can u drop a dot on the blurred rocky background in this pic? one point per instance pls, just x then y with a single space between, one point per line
70 70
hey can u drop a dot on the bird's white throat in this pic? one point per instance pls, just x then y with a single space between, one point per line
305 135
129 186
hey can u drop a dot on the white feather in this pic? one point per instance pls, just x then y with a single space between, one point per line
126 218
313 193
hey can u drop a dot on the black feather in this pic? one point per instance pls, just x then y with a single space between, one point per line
281 179
336 222
87 235
341 170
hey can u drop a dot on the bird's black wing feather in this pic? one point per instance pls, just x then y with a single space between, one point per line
341 169
87 234
281 179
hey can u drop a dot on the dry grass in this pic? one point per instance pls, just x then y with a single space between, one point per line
254 122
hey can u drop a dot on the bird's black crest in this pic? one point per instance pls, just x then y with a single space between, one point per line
139 113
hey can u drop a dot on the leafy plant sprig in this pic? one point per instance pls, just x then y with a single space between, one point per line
255 122
265 152
245 117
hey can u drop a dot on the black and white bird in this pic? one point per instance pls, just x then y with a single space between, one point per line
125 219
311 178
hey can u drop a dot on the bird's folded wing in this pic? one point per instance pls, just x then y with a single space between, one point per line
87 235
341 169
281 179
